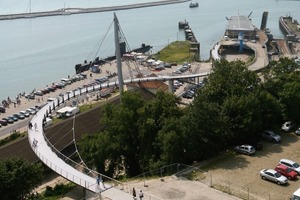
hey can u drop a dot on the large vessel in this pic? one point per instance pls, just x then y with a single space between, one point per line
79 68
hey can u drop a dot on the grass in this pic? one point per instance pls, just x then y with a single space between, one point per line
14 136
58 191
178 52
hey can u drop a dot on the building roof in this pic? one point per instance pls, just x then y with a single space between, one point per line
240 23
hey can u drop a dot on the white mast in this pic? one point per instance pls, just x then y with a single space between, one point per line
118 54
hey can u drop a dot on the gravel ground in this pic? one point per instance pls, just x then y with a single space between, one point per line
234 172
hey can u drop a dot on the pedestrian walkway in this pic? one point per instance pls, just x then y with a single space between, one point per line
45 153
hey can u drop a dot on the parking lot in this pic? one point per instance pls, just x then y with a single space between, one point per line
238 171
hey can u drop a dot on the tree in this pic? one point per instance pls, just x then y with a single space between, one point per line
18 178
282 82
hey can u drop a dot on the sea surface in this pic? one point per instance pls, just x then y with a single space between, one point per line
39 51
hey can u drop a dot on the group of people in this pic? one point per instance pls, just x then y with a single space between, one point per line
141 195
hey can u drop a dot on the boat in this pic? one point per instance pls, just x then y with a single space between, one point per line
194 4
79 68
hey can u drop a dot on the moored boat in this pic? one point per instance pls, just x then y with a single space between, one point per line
194 4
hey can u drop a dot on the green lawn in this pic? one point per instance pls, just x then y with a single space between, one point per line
177 52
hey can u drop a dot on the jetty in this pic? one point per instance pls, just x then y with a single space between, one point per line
190 36
70 11
291 30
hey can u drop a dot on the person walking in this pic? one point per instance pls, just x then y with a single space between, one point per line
98 180
141 195
133 193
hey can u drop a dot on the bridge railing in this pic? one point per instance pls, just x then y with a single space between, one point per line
78 166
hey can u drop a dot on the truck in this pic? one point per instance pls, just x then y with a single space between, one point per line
61 113
72 111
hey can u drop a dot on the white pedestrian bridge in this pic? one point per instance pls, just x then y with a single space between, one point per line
67 168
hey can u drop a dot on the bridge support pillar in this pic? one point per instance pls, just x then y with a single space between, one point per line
84 193
170 82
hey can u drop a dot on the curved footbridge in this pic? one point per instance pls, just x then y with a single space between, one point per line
67 168
64 167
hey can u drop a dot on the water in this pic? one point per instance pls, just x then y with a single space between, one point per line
36 52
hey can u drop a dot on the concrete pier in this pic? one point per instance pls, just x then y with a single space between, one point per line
69 11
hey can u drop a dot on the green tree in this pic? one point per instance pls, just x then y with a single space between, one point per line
282 82
18 178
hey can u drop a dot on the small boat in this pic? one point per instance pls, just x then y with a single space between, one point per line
194 4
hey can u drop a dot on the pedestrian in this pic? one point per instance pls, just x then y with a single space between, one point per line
35 126
141 195
30 125
98 179
133 193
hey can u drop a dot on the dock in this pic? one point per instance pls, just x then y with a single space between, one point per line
70 11
190 36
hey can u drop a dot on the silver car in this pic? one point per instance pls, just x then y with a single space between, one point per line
245 149
272 175
271 136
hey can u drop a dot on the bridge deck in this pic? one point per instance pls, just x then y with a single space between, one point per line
51 159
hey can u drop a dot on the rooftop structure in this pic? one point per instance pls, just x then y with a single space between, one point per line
240 23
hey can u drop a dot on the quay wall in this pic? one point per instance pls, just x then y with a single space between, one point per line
69 11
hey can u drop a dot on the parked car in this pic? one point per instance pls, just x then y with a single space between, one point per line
288 126
286 171
38 93
2 109
9 121
3 123
271 136
13 118
297 131
29 96
296 195
245 149
187 95
291 164
19 116
272 175
26 114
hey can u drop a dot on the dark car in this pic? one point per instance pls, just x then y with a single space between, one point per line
13 118
9 121
3 123
2 109
19 116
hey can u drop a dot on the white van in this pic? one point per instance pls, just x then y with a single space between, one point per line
48 122
61 113
72 111
296 195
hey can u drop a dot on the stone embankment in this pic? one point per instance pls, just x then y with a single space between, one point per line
69 11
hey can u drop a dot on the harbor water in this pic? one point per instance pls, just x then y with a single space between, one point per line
36 52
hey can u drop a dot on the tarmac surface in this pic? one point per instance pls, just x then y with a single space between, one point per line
109 68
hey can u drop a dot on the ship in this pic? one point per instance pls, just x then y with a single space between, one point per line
85 66
194 4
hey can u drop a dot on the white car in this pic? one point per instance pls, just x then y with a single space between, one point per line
287 126
272 175
297 131
296 195
291 164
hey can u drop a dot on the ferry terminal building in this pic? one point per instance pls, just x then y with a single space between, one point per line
240 23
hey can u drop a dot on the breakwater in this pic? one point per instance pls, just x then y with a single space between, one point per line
70 11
